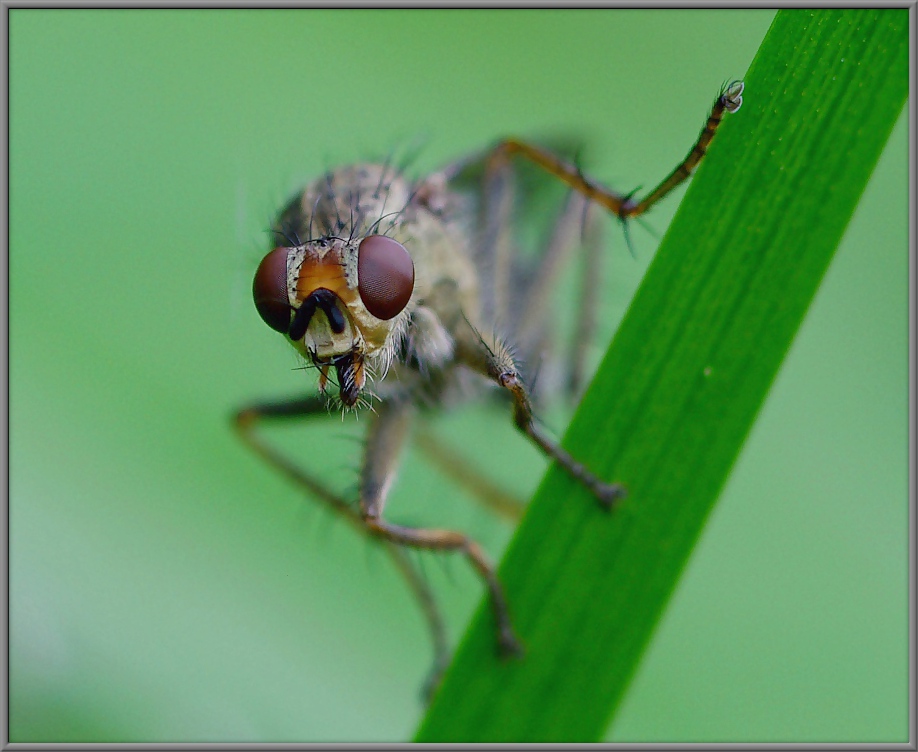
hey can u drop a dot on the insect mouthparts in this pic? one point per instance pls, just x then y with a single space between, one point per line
351 376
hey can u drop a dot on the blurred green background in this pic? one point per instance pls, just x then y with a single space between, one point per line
167 586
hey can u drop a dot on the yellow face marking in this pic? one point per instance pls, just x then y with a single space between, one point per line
322 270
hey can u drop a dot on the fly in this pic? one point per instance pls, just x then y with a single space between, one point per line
387 289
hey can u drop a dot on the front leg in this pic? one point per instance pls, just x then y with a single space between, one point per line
492 358
606 493
247 421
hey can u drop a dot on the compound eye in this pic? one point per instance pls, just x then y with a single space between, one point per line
385 276
270 290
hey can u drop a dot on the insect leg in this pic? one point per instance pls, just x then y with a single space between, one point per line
496 362
624 206
386 435
246 421
248 418
449 540
605 493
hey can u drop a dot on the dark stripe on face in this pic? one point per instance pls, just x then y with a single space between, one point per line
332 312
321 298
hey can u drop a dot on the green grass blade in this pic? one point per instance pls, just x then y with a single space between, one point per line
681 385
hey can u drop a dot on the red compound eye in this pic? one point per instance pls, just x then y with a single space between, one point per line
385 276
270 290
